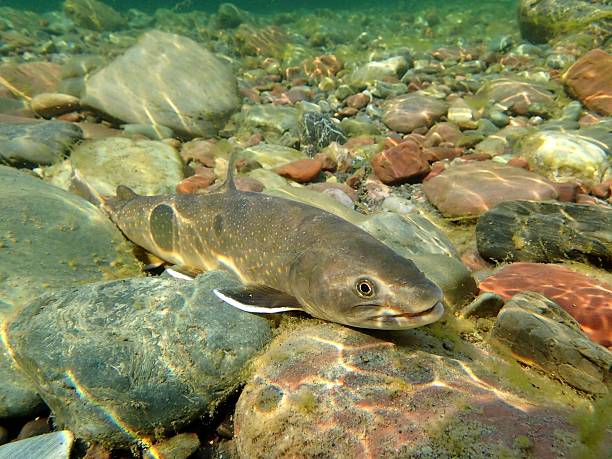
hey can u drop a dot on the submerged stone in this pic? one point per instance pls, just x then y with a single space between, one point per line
546 232
130 360
54 445
94 15
317 131
412 111
141 86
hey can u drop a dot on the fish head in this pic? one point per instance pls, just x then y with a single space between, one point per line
380 290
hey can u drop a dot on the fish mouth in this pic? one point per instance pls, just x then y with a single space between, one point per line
395 320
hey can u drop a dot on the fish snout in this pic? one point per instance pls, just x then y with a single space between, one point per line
418 298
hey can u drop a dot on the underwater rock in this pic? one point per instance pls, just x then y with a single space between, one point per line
301 171
51 238
141 87
368 73
271 156
125 360
516 96
475 187
268 41
322 388
273 120
29 78
54 445
412 111
148 167
181 446
587 300
29 144
546 232
317 130
539 332
543 20
564 155
401 163
94 15
589 80
48 105
229 16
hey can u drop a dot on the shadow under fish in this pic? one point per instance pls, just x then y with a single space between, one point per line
288 255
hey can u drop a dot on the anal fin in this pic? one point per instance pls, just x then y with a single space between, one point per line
183 272
259 299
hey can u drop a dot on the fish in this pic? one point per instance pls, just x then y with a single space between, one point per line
288 255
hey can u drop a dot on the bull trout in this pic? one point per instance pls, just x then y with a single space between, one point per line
288 255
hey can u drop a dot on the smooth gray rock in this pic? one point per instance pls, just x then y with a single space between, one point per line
540 333
54 445
166 79
545 232
120 360
52 238
36 143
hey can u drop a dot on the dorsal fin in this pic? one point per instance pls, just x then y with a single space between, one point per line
125 193
229 184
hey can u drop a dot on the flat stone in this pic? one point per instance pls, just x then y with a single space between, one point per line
180 446
516 96
140 87
272 156
51 238
29 78
325 388
48 105
155 352
400 164
94 15
149 167
546 232
587 300
302 170
564 155
475 187
368 73
36 143
411 111
589 80
539 332
54 445
271 118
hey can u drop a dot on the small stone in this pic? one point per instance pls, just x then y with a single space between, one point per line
317 131
357 101
603 190
54 445
328 162
519 161
301 171
442 133
568 191
485 305
589 80
587 300
400 164
196 183
180 446
411 111
248 184
33 428
48 105
516 96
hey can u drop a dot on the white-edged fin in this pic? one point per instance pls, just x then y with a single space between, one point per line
182 272
258 301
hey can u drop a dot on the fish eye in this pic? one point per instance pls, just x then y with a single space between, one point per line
364 288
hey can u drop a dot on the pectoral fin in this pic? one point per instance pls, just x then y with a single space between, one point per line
259 299
183 272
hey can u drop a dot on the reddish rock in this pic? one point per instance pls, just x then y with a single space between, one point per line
590 80
201 151
346 112
474 261
582 198
357 100
409 112
568 191
519 161
327 162
436 169
587 300
302 170
476 157
433 154
248 184
33 428
442 133
603 190
400 164
196 182
472 188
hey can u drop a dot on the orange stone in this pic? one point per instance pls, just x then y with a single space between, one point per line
587 300
590 80
302 170
400 164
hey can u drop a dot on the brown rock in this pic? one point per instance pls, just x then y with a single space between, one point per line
409 112
590 80
324 186
33 428
585 299
248 184
433 154
196 182
400 164
180 446
474 187
201 151
436 169
48 105
603 190
97 451
357 100
442 133
328 163
568 191
302 170
519 161
347 112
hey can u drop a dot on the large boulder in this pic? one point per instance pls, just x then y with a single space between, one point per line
546 232
166 79
589 80
137 358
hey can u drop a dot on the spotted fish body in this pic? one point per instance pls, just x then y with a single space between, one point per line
299 255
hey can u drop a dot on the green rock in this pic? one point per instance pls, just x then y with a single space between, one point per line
94 15
137 358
